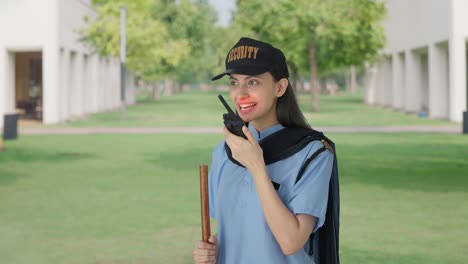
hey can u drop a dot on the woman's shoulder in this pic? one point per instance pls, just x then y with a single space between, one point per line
317 146
219 149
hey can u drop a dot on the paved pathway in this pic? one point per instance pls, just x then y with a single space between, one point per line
215 130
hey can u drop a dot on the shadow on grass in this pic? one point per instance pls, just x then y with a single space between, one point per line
38 155
17 156
179 100
436 169
351 255
8 176
183 158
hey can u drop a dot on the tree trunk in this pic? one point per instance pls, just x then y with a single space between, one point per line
348 81
168 87
353 80
314 88
175 84
294 79
156 92
178 87
370 83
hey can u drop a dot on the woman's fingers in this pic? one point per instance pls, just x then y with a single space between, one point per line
248 134
204 245
213 240
205 252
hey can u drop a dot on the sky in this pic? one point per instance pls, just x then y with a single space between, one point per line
224 8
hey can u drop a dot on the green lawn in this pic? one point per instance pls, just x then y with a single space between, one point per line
134 198
202 109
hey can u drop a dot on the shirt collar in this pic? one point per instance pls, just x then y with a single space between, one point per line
266 132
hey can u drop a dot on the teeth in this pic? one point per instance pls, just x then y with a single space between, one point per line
246 106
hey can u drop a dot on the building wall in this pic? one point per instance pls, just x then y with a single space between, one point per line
427 43
27 24
24 26
75 81
412 24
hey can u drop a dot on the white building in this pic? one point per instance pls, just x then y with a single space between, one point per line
45 72
424 65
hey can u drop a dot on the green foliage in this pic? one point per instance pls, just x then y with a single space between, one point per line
353 35
345 32
193 22
149 47
164 37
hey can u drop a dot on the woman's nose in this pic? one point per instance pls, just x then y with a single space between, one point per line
243 90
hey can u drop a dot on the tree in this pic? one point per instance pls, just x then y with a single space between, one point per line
150 49
166 39
330 34
193 22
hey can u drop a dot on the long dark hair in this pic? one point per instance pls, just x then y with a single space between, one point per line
287 109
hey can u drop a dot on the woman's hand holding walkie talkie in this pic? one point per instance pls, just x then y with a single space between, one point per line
245 149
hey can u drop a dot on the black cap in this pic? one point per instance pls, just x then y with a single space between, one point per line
254 57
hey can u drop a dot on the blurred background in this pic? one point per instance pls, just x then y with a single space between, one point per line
107 110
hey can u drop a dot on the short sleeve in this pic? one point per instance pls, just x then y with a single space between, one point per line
310 194
211 191
213 177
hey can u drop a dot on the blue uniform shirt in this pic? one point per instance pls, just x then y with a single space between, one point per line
243 233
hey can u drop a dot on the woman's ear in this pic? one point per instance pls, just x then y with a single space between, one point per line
281 87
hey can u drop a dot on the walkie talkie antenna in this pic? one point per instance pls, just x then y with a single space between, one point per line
221 98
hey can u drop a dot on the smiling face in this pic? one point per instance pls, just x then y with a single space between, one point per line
255 98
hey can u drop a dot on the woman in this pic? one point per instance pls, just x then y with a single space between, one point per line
256 222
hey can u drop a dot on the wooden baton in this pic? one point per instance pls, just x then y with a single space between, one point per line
204 199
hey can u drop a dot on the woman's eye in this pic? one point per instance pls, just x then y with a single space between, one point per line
253 82
234 83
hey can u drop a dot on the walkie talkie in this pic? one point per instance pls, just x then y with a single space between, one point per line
231 120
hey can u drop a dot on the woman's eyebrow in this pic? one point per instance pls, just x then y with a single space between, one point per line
245 78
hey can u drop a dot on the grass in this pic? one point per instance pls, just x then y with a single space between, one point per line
203 109
134 198
349 110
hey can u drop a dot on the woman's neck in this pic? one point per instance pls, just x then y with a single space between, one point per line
260 126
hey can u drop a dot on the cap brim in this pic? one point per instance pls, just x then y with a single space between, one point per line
220 75
245 71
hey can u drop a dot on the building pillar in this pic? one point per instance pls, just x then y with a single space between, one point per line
398 80
438 82
111 82
457 79
64 85
94 82
457 60
413 88
87 92
72 87
102 85
78 85
105 83
116 82
51 84
424 81
387 88
3 82
7 83
380 83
